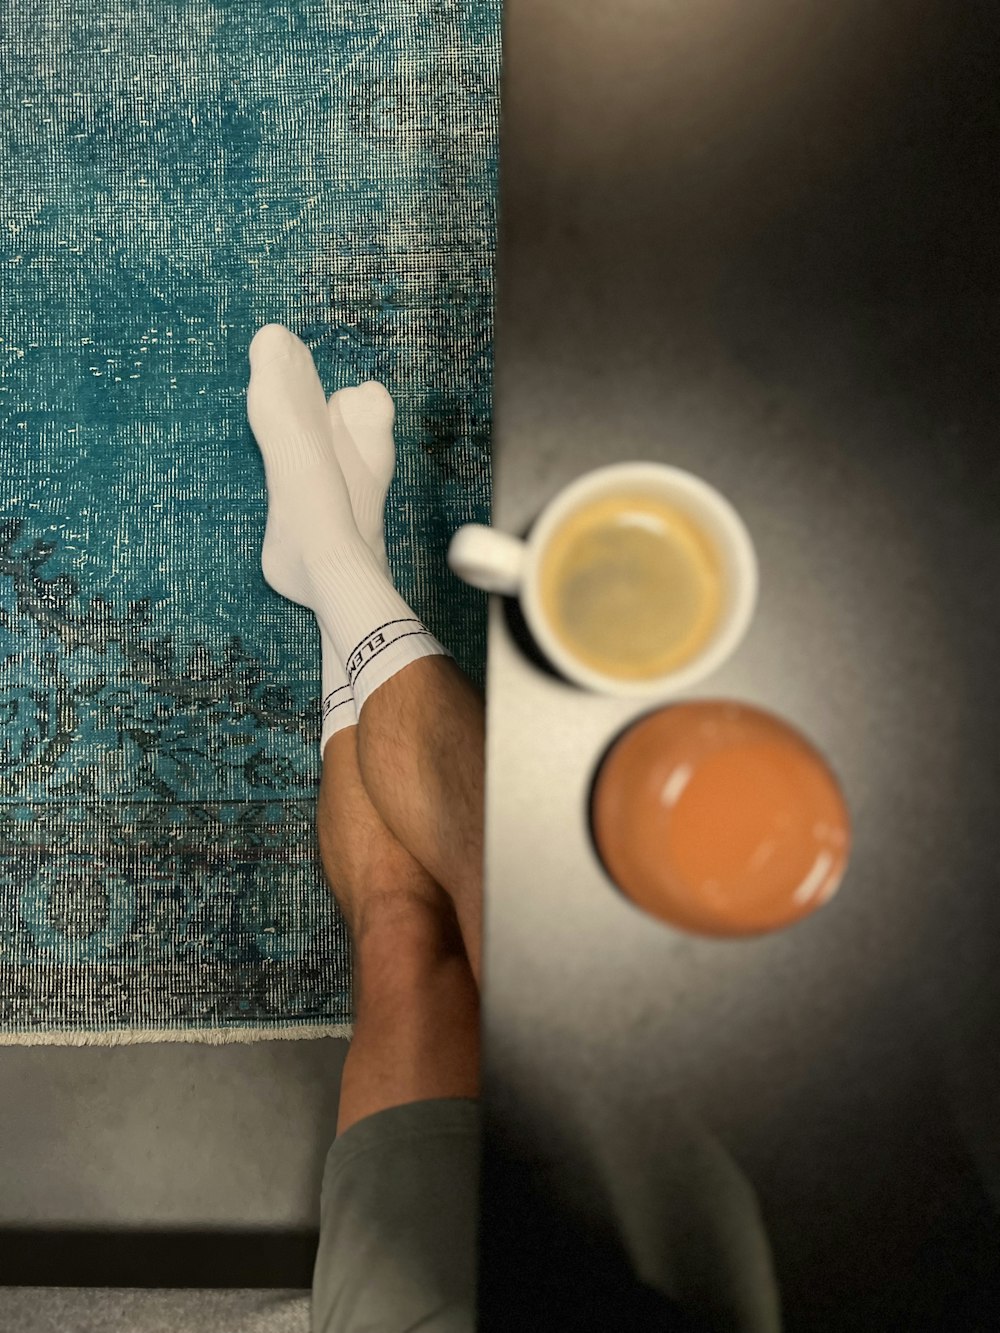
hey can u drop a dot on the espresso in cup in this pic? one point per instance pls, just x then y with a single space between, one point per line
631 586
637 579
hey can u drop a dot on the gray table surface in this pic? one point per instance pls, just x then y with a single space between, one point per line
760 243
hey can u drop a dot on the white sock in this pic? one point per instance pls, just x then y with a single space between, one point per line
314 552
362 418
361 422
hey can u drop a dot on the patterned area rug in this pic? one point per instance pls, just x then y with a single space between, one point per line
176 175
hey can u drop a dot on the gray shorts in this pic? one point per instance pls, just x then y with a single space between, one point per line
400 1215
399 1221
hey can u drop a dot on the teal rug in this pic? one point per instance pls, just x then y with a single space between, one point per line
176 175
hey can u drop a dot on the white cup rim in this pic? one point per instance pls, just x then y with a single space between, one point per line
727 531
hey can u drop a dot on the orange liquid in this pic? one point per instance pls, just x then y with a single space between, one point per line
720 818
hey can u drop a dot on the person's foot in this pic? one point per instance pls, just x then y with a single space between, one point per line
309 509
314 552
362 418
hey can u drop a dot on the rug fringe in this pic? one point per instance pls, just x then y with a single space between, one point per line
208 1036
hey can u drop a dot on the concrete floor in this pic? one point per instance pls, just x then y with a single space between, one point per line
55 1310
222 1147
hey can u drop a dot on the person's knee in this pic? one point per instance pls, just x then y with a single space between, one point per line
371 875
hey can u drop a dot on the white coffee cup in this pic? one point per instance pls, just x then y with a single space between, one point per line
497 562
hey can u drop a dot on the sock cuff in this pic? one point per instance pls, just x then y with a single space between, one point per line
396 655
337 706
341 698
360 611
381 639
354 591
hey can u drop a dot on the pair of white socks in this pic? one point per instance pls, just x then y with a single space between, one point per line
328 467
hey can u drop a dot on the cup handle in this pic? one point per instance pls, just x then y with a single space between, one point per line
487 559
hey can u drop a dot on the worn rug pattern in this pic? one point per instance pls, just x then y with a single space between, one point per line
177 174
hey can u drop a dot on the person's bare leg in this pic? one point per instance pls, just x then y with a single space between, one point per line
421 747
416 1004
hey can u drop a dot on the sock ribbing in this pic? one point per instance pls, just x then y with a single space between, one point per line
370 625
337 706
